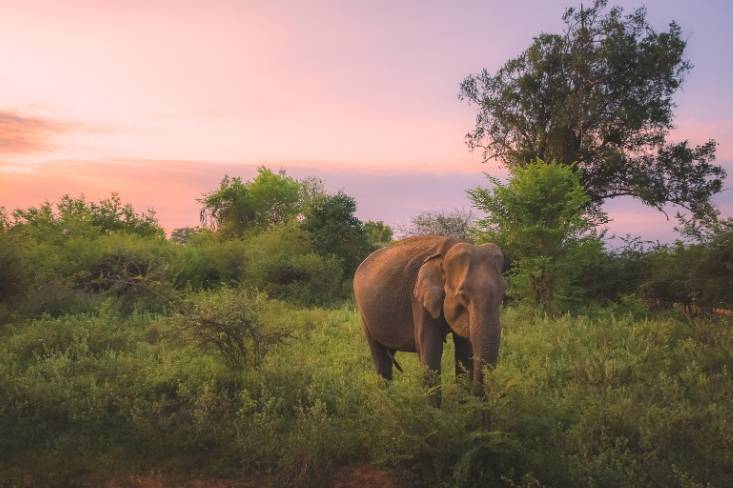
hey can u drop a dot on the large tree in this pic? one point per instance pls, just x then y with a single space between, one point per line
598 95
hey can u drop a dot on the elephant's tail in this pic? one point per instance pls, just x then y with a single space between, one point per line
394 361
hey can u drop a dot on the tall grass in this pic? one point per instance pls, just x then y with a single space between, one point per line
604 399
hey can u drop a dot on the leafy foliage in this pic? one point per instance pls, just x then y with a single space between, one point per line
283 263
695 276
378 233
232 321
599 95
274 204
236 206
537 218
538 213
599 400
74 217
186 235
334 230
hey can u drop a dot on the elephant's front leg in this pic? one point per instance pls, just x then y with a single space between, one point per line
429 337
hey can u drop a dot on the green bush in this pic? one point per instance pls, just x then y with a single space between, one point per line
208 262
237 207
697 276
13 274
283 264
72 275
136 271
333 230
540 218
233 322
56 298
714 272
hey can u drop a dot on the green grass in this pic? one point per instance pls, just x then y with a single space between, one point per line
603 399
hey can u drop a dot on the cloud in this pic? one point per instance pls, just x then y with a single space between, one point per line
21 134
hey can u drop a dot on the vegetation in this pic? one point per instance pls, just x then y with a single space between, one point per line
558 259
540 220
123 352
458 224
232 349
610 398
236 206
378 233
335 230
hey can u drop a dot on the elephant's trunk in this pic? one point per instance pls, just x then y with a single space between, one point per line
485 334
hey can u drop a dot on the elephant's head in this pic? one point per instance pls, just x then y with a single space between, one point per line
465 283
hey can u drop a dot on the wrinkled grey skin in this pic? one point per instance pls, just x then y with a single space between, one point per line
415 292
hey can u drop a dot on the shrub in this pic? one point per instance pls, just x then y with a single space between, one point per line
75 217
208 262
597 400
283 264
458 223
135 271
14 275
232 321
56 298
378 233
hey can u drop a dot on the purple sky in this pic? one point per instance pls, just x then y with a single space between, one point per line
158 100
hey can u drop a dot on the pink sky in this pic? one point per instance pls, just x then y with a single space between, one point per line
158 100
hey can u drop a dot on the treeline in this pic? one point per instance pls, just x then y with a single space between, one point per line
288 238
294 241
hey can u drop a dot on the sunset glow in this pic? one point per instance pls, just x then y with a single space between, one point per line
158 100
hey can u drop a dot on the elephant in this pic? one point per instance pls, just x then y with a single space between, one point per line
413 293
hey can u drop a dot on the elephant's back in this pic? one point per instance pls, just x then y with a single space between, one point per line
394 262
383 286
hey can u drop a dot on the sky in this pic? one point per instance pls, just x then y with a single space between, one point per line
158 100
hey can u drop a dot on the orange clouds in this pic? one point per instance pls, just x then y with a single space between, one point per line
25 135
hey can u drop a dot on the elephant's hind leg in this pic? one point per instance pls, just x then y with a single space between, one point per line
382 358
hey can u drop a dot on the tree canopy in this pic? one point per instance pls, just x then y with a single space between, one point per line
269 198
378 233
598 95
334 229
539 212
71 217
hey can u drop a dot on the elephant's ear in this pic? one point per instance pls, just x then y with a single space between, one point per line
429 286
496 256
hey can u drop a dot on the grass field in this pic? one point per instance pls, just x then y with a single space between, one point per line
615 397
